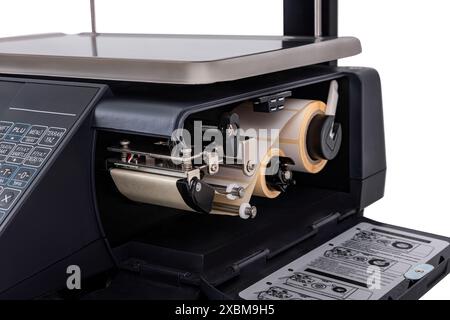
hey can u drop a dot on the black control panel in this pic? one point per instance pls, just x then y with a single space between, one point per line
24 148
35 118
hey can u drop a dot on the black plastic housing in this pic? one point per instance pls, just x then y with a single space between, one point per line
157 252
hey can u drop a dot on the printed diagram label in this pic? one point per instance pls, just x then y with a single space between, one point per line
348 266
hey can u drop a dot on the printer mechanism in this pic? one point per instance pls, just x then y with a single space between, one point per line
199 167
188 170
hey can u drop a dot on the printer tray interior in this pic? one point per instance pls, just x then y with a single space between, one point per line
358 249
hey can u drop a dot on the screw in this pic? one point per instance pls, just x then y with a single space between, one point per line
124 144
251 211
287 175
251 166
213 168
186 154
419 271
238 191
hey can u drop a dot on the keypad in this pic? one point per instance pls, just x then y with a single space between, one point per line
24 149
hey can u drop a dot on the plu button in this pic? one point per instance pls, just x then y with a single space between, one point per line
16 133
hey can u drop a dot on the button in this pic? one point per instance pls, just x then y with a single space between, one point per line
34 134
5 149
17 132
52 136
37 157
12 138
19 129
19 154
4 126
22 177
6 172
7 198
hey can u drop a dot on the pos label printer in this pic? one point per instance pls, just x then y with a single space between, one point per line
199 167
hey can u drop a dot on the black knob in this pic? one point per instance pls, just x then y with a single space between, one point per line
324 138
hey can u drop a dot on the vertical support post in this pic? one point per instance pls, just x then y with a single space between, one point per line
93 30
93 18
300 18
318 18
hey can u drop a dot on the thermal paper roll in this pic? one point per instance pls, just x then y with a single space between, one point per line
292 124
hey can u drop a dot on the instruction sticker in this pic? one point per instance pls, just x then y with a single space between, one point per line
363 263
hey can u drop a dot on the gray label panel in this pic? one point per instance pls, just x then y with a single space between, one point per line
363 263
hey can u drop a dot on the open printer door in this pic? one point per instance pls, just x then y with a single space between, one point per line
341 258
367 261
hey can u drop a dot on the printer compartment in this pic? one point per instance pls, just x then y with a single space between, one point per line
311 189
160 241
163 252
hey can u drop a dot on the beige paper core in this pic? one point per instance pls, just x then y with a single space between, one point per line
281 133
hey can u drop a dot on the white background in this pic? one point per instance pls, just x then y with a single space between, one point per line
407 41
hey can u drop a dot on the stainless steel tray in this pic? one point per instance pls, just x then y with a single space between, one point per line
177 59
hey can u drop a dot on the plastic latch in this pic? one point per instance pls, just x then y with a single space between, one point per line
419 271
271 103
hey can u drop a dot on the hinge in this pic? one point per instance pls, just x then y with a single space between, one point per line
161 274
333 217
260 255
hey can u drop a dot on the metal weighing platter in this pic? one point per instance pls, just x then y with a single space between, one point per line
175 59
